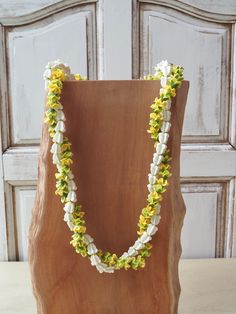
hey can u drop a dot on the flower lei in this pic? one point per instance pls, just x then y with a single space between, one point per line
171 77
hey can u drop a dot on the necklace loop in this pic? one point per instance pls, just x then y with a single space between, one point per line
170 77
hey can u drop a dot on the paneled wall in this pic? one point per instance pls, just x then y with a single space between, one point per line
124 39
203 43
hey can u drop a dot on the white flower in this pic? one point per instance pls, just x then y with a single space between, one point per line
145 237
165 70
100 268
124 255
109 269
163 81
70 175
47 74
71 196
138 245
55 149
150 188
95 259
71 185
154 169
157 208
104 268
54 64
155 219
69 220
160 148
164 67
68 216
56 159
168 105
60 65
132 251
151 178
70 224
91 249
165 127
166 115
46 83
60 126
69 207
60 115
87 239
157 159
58 137
163 137
151 230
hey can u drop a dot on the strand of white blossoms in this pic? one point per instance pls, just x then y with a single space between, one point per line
161 147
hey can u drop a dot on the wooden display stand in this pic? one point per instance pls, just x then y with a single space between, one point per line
107 124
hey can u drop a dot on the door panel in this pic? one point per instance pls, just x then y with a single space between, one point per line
203 43
203 49
42 42
28 43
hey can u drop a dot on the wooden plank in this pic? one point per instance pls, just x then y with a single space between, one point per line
106 181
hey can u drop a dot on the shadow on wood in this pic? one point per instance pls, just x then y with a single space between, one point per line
107 124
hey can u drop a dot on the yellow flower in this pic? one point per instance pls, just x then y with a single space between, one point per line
99 253
59 175
79 229
162 182
66 161
54 105
154 195
148 246
127 265
158 101
78 77
58 74
142 219
172 92
54 88
59 192
152 130
113 259
153 116
46 120
65 146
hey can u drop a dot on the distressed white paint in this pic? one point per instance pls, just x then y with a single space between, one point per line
42 44
204 44
208 163
208 45
115 39
3 231
24 202
205 227
199 230
27 44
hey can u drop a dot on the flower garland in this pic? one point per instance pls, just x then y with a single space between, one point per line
171 77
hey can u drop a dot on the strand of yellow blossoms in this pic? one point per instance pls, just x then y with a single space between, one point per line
170 77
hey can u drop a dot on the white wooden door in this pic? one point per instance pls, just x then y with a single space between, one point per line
111 39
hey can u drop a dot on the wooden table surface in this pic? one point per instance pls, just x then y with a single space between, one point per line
208 286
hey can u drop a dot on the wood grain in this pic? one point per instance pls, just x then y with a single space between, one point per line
106 124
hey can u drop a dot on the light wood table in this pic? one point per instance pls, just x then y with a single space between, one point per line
208 286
